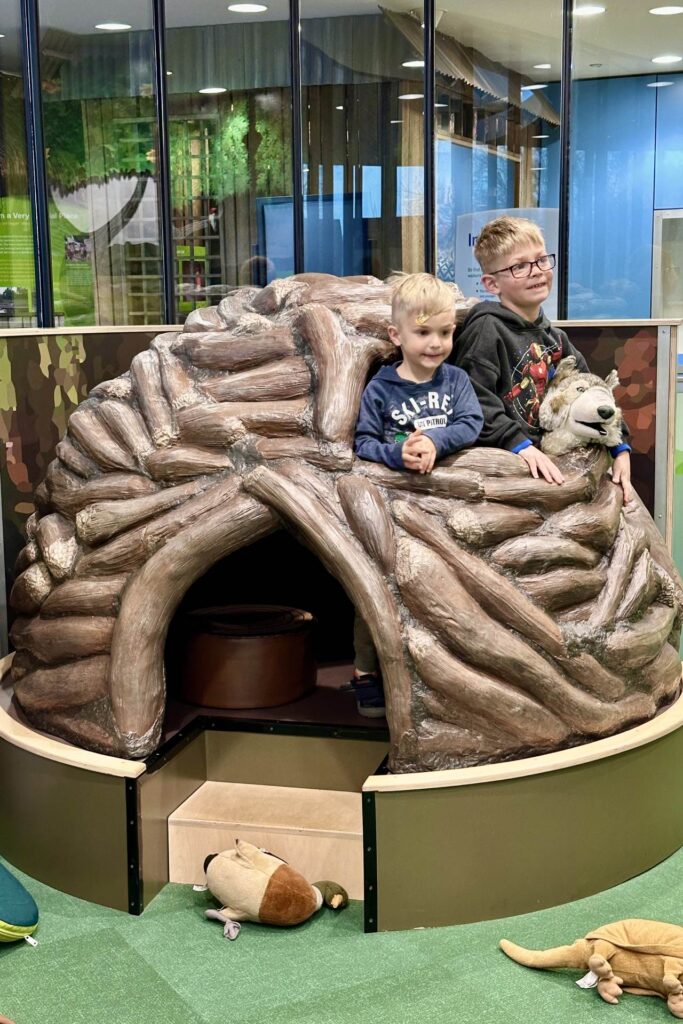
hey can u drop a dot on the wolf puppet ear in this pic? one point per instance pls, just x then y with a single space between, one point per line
612 380
564 368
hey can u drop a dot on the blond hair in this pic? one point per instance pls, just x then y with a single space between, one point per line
501 236
422 294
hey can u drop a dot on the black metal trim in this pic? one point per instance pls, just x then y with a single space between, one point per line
369 863
133 847
565 137
165 197
35 152
297 134
428 122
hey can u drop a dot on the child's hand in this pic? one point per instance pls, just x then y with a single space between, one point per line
540 463
621 474
420 451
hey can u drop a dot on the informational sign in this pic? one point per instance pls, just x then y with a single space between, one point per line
468 271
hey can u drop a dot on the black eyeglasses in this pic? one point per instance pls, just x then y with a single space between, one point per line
546 262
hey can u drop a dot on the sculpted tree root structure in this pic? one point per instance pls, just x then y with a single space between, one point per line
511 616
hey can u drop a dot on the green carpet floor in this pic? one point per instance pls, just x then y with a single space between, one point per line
171 966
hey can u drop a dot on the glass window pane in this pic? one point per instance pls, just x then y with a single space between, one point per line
100 145
362 112
230 116
497 126
17 276
626 155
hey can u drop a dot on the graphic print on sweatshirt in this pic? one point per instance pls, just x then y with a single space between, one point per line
428 411
530 377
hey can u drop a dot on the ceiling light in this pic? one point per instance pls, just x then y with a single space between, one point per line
588 10
338 108
413 64
213 90
1 35
658 85
666 10
543 67
540 136
669 58
530 88
412 96
113 26
247 8
440 105
396 122
169 72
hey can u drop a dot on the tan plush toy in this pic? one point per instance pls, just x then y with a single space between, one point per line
254 885
642 957
578 410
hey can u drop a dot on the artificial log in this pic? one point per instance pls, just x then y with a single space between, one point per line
642 588
104 519
53 640
128 427
56 539
627 548
369 519
121 387
342 291
272 298
496 701
137 670
232 308
63 687
95 439
662 675
342 364
204 319
361 580
323 454
369 318
593 676
287 378
533 552
564 587
183 461
218 424
31 588
579 486
632 646
146 375
130 549
77 727
489 461
594 523
311 482
455 483
482 525
496 595
29 554
218 351
437 735
482 732
179 384
68 494
75 460
85 597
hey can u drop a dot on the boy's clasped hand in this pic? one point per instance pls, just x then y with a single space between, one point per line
418 452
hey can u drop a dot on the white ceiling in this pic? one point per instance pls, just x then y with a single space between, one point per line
518 33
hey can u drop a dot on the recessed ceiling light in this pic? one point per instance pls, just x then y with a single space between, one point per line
668 58
338 108
412 96
588 10
440 105
658 85
247 8
666 10
213 90
540 136
113 26
543 67
413 64
169 72
396 122
2 35
530 88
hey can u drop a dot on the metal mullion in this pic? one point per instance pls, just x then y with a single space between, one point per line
428 121
163 162
297 134
565 166
35 151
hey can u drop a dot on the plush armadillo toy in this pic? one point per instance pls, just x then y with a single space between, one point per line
254 885
642 957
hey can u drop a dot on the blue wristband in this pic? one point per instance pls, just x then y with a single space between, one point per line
618 449
521 446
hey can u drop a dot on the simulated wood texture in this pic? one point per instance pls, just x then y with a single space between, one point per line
554 602
319 832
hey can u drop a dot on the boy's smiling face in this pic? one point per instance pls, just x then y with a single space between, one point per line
523 295
424 343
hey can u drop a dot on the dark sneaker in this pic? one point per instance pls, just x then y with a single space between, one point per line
369 695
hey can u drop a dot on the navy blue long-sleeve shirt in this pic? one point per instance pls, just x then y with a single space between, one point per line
445 409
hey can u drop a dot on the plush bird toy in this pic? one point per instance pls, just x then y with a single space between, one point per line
254 885
642 957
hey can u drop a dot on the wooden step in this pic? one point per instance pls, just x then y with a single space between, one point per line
319 832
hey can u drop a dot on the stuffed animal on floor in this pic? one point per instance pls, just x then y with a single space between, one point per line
642 957
578 410
254 885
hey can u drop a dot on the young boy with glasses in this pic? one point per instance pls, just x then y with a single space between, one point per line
510 350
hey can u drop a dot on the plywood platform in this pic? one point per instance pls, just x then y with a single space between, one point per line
318 831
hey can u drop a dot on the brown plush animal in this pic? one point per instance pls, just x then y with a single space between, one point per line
254 885
642 957
579 409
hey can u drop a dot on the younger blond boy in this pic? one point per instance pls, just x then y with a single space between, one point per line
511 351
